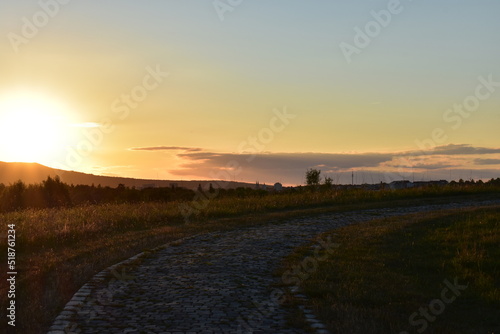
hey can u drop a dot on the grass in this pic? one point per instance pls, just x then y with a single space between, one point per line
386 270
58 250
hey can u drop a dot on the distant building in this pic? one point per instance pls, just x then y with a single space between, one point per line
421 184
148 185
377 186
439 183
259 186
278 186
404 184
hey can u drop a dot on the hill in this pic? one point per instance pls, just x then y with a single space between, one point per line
30 173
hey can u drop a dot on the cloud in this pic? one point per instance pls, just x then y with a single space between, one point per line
166 148
286 161
115 171
487 161
289 168
431 166
194 158
453 149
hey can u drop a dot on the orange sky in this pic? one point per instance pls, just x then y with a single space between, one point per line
176 90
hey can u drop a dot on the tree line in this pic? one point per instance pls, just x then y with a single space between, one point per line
314 180
53 193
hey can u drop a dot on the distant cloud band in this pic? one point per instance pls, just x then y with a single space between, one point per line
441 162
167 148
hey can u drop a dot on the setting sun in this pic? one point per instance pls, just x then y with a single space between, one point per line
32 128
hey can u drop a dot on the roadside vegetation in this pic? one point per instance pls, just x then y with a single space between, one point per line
432 273
62 246
52 193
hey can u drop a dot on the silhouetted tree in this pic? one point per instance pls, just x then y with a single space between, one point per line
313 177
13 197
328 182
56 193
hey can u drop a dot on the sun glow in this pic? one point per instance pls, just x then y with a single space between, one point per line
33 128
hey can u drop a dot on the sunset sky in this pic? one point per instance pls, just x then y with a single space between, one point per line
259 91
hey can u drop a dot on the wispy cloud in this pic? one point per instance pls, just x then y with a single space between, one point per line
487 161
430 166
453 149
113 170
166 148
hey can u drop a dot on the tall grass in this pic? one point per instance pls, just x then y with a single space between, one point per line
57 227
227 206
49 228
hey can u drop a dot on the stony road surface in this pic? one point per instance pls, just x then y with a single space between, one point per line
211 283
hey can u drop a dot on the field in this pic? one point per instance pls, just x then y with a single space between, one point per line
59 249
436 273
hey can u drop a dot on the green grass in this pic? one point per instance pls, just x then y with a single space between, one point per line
386 270
60 249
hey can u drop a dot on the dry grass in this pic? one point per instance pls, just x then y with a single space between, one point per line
388 269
